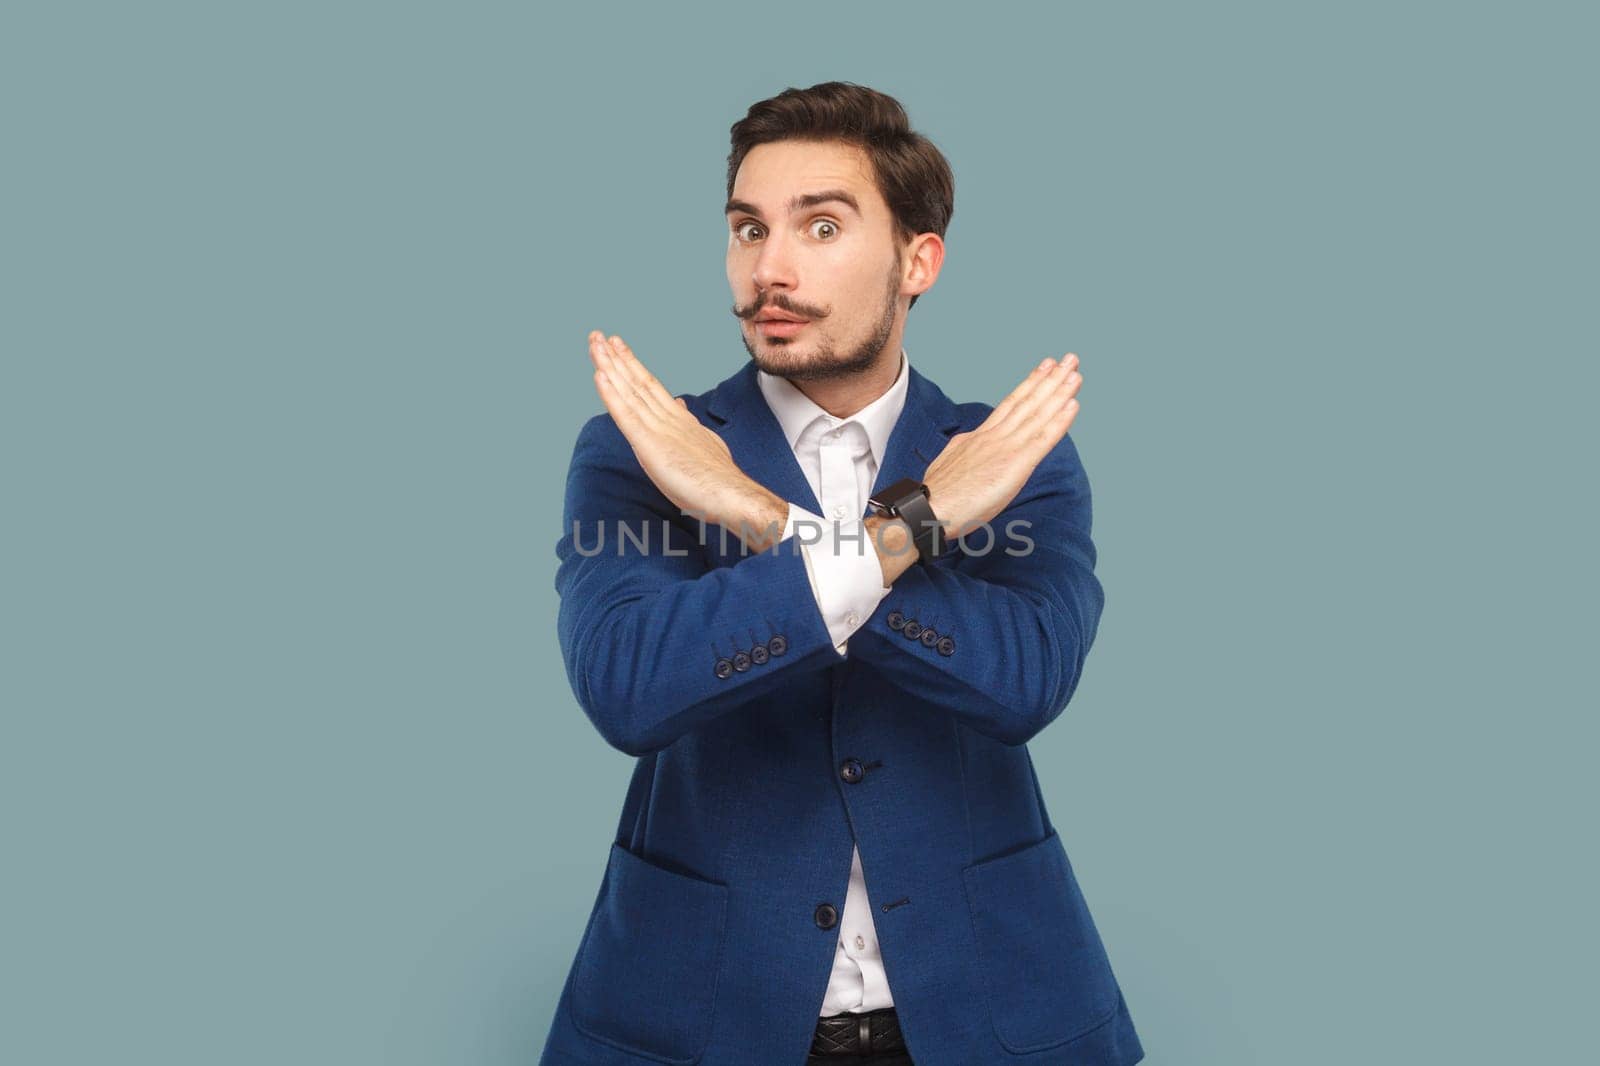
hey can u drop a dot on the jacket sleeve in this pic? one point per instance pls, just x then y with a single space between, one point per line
997 634
655 640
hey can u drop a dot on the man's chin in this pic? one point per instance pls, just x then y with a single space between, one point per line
807 362
780 356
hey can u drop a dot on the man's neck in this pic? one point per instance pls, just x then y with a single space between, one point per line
843 397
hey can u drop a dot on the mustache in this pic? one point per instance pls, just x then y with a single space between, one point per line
777 303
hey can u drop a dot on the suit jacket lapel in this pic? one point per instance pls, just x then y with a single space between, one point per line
919 435
754 437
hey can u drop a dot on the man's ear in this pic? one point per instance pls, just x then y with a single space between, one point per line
926 256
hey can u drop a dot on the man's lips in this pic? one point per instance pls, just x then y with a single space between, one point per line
776 322
780 327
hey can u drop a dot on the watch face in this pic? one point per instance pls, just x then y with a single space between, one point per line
891 498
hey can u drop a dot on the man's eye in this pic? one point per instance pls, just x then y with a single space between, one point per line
739 230
824 229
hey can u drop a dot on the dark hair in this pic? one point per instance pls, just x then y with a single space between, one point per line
912 175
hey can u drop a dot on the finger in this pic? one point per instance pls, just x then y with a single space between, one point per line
1060 423
1039 384
1032 428
652 396
1070 387
600 356
625 388
599 352
650 388
1048 433
622 408
1055 421
1025 412
1035 440
1003 408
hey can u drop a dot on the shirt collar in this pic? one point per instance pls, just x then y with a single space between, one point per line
795 410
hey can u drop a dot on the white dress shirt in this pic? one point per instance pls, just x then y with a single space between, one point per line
840 458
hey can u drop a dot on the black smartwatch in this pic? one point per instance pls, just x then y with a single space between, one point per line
907 499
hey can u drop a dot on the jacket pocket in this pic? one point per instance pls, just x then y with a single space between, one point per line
646 975
1040 957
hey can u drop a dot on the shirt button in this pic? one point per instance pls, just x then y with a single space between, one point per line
853 618
860 943
838 512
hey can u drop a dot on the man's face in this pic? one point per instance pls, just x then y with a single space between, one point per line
809 235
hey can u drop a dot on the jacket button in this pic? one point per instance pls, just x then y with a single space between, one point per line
724 668
946 646
758 654
896 620
851 770
777 645
929 638
741 661
912 630
826 916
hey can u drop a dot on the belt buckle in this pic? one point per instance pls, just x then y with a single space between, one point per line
833 1039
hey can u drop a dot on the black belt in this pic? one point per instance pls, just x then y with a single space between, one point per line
858 1034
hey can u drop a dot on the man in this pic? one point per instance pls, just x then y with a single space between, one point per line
834 847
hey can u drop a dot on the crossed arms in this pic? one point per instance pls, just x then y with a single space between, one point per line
639 628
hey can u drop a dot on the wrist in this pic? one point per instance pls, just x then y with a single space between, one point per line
756 515
943 508
891 539
910 501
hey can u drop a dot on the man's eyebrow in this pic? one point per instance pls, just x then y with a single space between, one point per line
799 203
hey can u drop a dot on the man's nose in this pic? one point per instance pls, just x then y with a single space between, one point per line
775 265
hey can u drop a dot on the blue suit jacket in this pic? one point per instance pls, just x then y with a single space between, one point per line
763 755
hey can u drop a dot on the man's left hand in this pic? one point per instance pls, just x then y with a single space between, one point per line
690 464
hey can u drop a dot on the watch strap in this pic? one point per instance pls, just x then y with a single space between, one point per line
909 500
926 532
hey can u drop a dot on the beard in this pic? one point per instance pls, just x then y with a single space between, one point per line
826 363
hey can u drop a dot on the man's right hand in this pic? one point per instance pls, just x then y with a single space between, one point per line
981 471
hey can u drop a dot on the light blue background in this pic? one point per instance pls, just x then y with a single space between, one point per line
294 306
